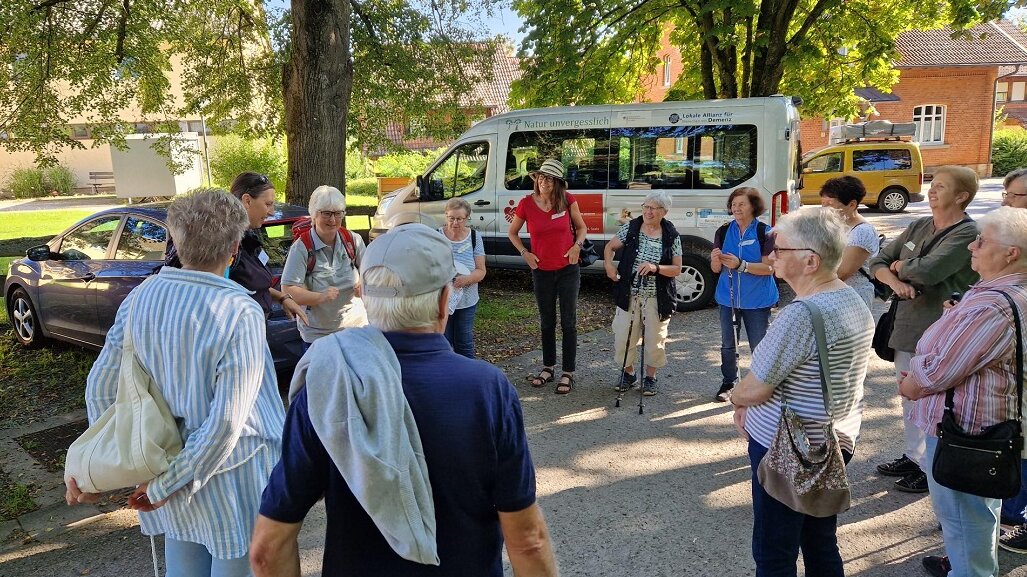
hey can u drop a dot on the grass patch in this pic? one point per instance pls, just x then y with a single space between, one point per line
5 263
15 498
40 222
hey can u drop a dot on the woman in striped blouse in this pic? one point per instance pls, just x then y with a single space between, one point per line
201 338
785 366
971 350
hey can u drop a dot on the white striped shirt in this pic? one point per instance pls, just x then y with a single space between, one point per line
202 339
787 360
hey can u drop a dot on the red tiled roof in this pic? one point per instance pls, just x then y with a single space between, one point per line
495 93
992 43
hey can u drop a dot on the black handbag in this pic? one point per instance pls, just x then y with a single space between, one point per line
588 254
985 464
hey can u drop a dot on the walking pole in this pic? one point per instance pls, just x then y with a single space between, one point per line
736 320
631 325
641 328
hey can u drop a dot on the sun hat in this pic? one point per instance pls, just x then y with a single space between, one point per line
551 167
419 255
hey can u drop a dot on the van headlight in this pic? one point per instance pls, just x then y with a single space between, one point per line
384 204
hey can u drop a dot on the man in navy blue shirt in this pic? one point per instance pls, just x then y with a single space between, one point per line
427 478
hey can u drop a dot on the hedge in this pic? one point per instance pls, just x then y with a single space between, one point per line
1008 150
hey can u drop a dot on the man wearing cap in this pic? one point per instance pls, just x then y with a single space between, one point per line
420 453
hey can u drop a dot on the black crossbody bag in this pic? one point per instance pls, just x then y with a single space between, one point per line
986 464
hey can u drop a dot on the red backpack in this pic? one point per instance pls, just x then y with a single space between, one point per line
302 230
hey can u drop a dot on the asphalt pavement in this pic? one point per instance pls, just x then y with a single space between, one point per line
666 492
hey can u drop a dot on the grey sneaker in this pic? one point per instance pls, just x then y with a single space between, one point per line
627 381
649 386
724 394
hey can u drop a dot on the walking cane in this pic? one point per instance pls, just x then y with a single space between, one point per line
641 362
736 321
632 304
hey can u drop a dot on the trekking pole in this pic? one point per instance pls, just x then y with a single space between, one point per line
631 326
734 278
641 328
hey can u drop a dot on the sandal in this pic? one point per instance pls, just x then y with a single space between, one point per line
539 380
563 388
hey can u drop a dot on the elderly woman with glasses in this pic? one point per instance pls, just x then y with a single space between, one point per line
323 277
200 338
785 366
651 250
1014 188
970 351
469 258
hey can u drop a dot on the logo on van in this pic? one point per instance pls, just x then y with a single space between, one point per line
674 118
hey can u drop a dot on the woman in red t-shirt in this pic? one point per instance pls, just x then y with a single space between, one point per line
556 232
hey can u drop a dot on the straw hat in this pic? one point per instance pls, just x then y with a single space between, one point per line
553 168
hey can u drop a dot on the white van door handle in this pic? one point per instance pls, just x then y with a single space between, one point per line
482 203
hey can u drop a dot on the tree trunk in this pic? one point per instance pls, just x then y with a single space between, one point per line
317 83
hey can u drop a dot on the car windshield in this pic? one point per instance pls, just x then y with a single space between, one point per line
276 239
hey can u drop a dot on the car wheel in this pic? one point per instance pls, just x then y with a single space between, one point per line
25 320
892 200
696 283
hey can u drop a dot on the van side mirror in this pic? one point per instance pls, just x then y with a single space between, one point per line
420 187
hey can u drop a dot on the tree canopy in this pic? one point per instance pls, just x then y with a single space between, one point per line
247 68
594 51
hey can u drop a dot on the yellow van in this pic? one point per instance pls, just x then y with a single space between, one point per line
891 170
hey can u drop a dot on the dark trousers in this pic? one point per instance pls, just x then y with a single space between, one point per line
551 285
778 533
756 322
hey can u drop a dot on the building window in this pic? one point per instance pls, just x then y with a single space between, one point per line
1017 91
666 70
930 123
1001 91
79 131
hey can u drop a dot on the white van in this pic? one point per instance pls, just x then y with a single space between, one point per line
615 155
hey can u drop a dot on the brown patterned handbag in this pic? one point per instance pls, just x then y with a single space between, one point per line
809 479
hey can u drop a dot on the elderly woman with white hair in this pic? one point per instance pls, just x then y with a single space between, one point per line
785 366
970 351
321 269
651 250
201 339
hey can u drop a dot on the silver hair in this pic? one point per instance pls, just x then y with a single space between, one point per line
399 313
458 204
326 197
660 197
817 228
1009 225
1013 175
205 224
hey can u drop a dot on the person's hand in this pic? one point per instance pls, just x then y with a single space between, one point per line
896 266
739 419
947 304
730 261
573 253
331 293
909 388
140 502
903 290
531 260
611 271
358 289
715 257
73 495
293 310
461 281
648 268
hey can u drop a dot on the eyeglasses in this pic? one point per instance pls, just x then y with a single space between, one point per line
784 249
1006 193
540 177
456 218
980 240
329 214
650 207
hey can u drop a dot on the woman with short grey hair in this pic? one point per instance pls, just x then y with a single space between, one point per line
469 258
321 269
201 339
786 366
651 250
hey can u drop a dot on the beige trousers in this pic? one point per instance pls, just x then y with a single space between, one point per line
655 334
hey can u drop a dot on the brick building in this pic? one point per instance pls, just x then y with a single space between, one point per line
947 86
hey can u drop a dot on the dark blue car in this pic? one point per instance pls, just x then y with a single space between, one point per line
70 288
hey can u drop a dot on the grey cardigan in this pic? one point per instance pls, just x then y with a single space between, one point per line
939 273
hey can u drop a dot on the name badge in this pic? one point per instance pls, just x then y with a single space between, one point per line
558 215
263 257
910 245
746 242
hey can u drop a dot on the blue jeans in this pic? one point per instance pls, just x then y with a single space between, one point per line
550 286
969 525
460 330
756 322
186 559
1013 509
778 533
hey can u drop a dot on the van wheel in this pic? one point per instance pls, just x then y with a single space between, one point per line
892 200
696 283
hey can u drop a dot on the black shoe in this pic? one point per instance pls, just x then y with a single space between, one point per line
626 382
724 393
1008 524
913 483
898 468
649 386
937 566
1014 540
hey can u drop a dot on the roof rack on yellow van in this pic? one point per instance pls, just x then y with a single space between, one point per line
878 130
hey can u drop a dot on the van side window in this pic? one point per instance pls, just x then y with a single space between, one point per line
890 159
587 155
462 172
676 157
826 163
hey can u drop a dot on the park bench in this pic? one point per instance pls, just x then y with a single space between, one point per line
98 179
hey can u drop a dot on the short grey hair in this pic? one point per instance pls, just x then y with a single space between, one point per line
818 228
399 313
1013 175
1009 225
326 197
660 197
204 225
458 204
